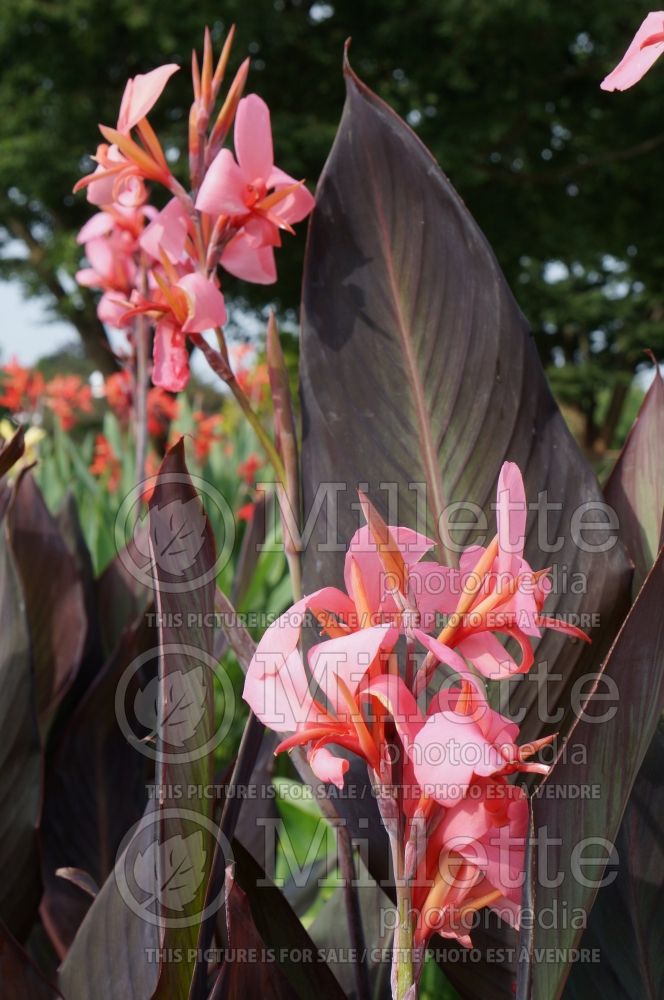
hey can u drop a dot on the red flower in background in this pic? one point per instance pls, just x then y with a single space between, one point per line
246 512
247 470
163 409
208 430
106 463
22 388
119 391
68 396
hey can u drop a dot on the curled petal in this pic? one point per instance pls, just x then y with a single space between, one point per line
206 309
327 767
642 53
141 94
276 687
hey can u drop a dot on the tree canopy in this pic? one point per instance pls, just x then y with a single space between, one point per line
563 178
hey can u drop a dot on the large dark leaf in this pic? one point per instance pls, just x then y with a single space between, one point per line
612 736
281 929
635 488
115 948
20 979
20 767
53 594
183 552
239 978
95 790
148 911
418 369
627 918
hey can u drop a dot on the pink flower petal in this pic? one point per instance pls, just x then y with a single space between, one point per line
637 61
111 309
348 657
327 767
170 357
445 754
363 550
141 94
249 263
223 188
99 225
167 232
489 656
253 138
295 206
206 303
276 687
511 516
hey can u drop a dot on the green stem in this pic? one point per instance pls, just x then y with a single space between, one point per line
403 940
260 431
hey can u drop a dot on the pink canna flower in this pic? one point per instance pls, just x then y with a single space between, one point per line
259 198
500 593
191 304
141 93
474 858
645 49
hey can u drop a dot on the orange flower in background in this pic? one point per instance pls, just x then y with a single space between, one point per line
163 409
247 470
22 388
68 396
118 389
152 463
254 381
208 430
105 463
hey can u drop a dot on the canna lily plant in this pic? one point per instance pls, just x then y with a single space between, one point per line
469 675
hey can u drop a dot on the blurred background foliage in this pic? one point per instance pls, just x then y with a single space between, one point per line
564 179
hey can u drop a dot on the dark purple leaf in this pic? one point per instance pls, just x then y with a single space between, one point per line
614 736
20 758
20 979
240 977
95 788
53 594
627 918
418 368
635 488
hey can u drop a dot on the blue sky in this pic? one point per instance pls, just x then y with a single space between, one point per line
25 330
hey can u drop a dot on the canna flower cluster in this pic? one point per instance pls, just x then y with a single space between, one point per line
165 265
440 758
